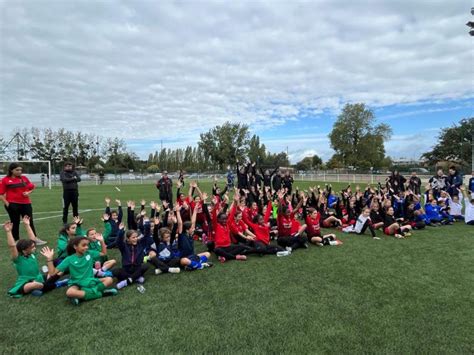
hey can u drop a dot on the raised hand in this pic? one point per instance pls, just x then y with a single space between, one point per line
99 237
77 220
105 217
129 203
165 204
8 226
143 202
122 226
204 196
118 202
47 253
153 205
107 200
26 220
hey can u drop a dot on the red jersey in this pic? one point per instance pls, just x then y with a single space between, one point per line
287 225
13 188
262 232
313 228
222 233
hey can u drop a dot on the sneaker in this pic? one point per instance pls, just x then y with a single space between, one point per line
376 238
141 289
288 249
40 242
408 234
110 292
74 301
240 257
283 253
221 259
172 270
207 264
141 280
398 236
37 293
158 271
61 283
121 284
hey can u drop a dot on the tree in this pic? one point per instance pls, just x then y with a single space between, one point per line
276 160
305 164
355 137
317 161
225 144
454 144
257 152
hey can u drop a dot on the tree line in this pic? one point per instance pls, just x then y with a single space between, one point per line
358 143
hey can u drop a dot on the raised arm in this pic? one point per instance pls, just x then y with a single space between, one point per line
29 230
8 226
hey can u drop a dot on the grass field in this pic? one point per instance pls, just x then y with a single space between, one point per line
366 296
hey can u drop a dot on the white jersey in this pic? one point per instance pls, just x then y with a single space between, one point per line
360 223
469 212
455 208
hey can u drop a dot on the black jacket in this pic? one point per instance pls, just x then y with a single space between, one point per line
69 179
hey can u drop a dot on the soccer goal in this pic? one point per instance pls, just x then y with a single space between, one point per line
35 170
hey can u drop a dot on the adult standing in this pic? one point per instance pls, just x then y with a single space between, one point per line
415 183
454 181
438 183
396 182
165 186
15 190
69 177
288 182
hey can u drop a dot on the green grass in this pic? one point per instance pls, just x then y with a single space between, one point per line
366 296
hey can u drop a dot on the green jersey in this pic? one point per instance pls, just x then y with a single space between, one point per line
80 268
28 270
64 239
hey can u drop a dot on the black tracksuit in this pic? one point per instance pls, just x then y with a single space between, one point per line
70 192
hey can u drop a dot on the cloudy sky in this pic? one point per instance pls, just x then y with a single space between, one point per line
148 71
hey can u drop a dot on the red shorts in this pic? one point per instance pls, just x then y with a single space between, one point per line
387 231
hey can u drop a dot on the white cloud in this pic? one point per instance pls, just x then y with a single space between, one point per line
145 69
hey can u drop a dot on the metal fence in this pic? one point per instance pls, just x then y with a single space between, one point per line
137 178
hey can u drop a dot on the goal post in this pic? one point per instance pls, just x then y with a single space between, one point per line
6 162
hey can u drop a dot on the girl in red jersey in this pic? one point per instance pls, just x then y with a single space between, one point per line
289 229
312 218
224 248
261 227
15 191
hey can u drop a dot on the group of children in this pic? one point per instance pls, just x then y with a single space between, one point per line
255 220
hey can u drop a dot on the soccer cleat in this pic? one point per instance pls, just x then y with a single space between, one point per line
288 249
283 253
221 259
61 283
121 284
306 245
173 270
110 292
40 242
37 293
207 264
158 271
74 301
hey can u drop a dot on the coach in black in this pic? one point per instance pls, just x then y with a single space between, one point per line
69 177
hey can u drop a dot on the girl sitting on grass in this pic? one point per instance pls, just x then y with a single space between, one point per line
66 233
23 254
393 226
83 286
